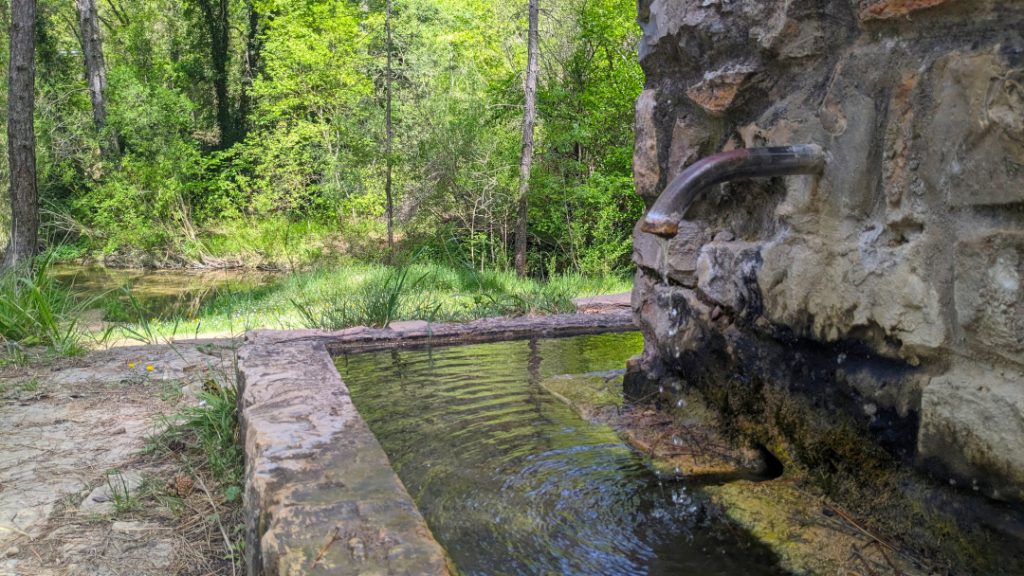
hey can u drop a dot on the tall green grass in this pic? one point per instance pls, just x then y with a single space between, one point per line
368 294
36 310
384 297
434 292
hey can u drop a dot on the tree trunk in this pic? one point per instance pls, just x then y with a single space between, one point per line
21 140
389 133
215 12
95 73
253 49
526 159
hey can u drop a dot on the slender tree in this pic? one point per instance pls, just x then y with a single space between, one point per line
218 28
22 244
95 72
389 132
253 49
526 159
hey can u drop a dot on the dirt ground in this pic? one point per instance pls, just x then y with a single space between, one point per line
80 494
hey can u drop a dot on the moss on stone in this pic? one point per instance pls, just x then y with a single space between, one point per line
837 456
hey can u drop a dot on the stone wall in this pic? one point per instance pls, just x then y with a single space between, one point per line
888 294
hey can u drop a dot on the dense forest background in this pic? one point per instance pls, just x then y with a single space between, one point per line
252 132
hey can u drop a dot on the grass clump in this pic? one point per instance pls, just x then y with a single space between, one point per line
202 441
384 297
205 437
379 295
36 310
124 497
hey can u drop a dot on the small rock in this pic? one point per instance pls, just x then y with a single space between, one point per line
116 485
12 552
725 236
889 9
357 548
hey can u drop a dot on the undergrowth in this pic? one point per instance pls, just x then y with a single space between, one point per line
202 440
359 294
38 311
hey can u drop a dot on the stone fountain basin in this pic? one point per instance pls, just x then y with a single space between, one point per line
320 494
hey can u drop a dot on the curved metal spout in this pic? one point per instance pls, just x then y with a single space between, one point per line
663 218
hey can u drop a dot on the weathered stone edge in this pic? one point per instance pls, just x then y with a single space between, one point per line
321 497
320 494
419 333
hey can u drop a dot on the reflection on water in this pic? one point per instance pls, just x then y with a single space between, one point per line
512 481
159 293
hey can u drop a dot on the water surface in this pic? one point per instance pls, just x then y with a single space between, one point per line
512 481
158 293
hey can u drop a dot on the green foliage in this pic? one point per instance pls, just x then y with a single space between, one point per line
36 310
205 438
306 90
214 422
382 298
124 499
353 294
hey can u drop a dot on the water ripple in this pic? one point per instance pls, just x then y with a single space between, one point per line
511 481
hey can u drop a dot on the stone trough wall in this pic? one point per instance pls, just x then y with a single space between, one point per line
887 294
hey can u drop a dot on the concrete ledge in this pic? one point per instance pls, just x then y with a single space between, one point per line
320 494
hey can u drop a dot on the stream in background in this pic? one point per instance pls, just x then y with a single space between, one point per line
158 293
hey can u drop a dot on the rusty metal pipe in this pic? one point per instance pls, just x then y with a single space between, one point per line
670 207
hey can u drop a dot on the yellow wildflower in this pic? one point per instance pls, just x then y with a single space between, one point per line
131 364
149 368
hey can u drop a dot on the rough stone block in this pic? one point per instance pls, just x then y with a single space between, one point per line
989 293
717 91
831 289
675 258
972 426
646 170
973 147
727 274
849 116
321 497
888 9
666 17
687 141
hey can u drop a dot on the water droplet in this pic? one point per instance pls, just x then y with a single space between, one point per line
661 389
680 403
